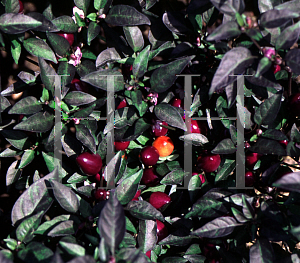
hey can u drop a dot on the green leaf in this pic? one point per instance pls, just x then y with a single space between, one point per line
225 170
134 37
39 48
82 4
107 56
39 122
12 6
17 139
47 25
4 103
12 174
35 252
164 77
102 6
169 114
93 31
8 152
263 66
267 111
128 187
139 67
219 227
65 24
11 23
235 61
288 37
275 18
25 231
174 177
226 30
47 75
125 15
16 48
112 222
147 236
225 146
84 135
78 98
73 249
144 210
196 139
52 225
35 198
129 226
65 196
262 251
137 100
27 105
27 158
99 79
59 44
295 134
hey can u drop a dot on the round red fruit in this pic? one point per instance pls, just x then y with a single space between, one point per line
67 36
177 103
284 143
149 155
21 7
121 146
162 231
249 179
149 177
159 199
198 127
208 162
89 163
158 130
100 194
251 159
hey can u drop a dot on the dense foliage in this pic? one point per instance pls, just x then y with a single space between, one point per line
65 212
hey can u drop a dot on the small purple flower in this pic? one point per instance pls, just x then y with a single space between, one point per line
147 88
129 88
152 96
269 52
76 57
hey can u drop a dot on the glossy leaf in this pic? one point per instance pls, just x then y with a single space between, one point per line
225 31
59 44
134 37
147 235
107 56
111 223
125 15
236 61
11 23
28 105
65 24
219 227
164 77
65 196
39 122
140 64
99 79
169 114
35 198
144 210
268 110
39 48
128 187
